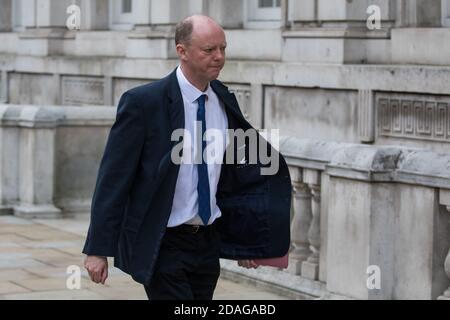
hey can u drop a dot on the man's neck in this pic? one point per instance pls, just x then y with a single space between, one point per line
200 85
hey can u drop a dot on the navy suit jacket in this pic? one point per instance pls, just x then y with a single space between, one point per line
136 181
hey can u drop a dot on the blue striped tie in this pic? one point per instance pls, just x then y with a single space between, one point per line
204 208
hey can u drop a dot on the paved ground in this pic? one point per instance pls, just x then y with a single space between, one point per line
35 255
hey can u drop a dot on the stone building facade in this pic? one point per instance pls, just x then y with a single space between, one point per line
364 117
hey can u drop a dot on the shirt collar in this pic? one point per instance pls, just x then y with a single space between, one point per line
189 91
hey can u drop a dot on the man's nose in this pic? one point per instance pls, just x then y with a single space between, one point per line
219 54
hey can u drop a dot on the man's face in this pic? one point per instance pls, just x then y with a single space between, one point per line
204 55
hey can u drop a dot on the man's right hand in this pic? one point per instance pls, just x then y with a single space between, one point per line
97 268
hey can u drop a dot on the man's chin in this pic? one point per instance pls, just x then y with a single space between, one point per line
214 75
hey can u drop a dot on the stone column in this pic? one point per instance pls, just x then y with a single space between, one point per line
419 13
143 14
300 222
51 13
9 158
153 35
36 173
94 14
445 200
23 14
50 31
229 14
5 15
335 31
163 15
310 267
303 13
366 116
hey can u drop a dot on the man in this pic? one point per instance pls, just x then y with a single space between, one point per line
167 223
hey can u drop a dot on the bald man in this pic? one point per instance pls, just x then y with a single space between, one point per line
167 222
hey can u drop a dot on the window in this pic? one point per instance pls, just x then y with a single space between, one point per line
126 6
263 13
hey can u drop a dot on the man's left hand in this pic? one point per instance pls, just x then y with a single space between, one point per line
249 264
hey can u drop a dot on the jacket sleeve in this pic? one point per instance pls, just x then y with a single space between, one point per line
115 177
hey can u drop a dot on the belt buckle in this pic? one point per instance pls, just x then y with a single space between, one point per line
195 228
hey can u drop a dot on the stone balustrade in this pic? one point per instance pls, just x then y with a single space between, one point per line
49 157
357 207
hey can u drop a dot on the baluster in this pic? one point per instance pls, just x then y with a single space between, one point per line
310 267
300 222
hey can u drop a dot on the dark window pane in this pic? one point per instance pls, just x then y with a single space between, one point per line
265 4
126 6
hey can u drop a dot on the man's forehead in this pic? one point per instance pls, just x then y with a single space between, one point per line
208 33
209 39
208 44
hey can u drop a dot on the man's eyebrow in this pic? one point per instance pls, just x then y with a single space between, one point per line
209 46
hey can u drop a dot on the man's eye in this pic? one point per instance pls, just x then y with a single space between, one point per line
209 50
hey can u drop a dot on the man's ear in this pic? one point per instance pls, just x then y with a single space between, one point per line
181 51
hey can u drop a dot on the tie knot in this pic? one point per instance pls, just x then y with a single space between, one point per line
201 100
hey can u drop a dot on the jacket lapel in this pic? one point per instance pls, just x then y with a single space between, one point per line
176 106
175 111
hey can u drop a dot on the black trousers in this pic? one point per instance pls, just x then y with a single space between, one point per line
188 265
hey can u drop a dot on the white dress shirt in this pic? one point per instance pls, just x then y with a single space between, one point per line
185 202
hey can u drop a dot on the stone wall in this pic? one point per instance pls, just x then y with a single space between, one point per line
378 206
382 104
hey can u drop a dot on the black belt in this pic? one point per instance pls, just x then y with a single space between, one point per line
189 228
